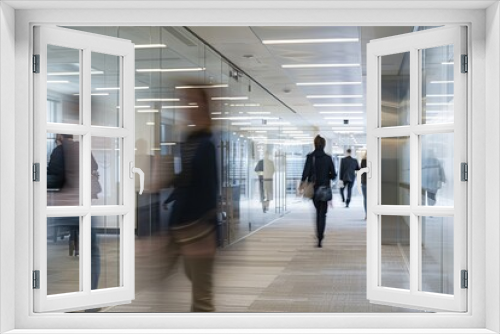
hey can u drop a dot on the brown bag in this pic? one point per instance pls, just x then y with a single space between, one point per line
308 189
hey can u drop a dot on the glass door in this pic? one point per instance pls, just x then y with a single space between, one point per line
417 143
84 154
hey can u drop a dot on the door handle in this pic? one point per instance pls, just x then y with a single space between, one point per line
134 170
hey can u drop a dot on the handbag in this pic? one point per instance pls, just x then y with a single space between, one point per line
308 189
323 193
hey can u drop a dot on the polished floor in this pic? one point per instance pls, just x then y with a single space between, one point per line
277 268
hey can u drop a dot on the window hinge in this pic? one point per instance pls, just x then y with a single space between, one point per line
465 64
36 279
36 63
464 171
465 279
36 172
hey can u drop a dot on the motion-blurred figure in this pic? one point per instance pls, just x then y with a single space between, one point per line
319 169
432 177
265 171
348 168
193 220
363 181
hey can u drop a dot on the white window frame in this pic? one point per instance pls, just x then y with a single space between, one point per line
484 236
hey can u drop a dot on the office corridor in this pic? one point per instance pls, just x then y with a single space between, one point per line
277 268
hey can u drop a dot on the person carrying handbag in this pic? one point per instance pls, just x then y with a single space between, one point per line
319 169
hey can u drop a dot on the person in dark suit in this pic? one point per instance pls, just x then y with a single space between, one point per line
319 169
348 168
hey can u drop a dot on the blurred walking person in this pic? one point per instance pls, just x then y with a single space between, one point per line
265 171
348 168
319 169
363 181
193 226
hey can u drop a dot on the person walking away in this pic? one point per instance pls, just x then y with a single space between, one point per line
319 169
265 171
433 177
348 168
363 181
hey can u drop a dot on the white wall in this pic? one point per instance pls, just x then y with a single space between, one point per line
492 160
7 185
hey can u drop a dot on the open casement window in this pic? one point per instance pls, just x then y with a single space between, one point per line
416 144
84 132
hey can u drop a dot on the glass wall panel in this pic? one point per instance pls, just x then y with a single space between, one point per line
105 252
437 85
106 167
395 254
63 85
63 261
437 254
105 94
437 169
395 89
63 169
395 171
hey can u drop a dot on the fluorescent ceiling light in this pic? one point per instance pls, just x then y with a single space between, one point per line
159 100
293 131
178 107
202 86
442 82
191 124
191 69
349 131
229 98
150 46
96 94
72 73
340 112
439 104
118 88
317 65
245 105
309 40
216 113
278 123
440 95
328 83
57 81
447 63
143 106
167 144
261 131
150 123
257 128
258 112
338 105
334 96
241 123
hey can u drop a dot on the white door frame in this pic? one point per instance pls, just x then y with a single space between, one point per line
267 16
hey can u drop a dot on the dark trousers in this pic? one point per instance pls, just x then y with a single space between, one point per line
321 208
348 185
363 189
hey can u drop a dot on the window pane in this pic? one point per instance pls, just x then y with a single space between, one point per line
395 171
105 93
437 254
63 169
63 85
437 85
437 169
63 262
395 262
395 89
105 252
106 171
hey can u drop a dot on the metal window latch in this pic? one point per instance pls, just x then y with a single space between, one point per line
36 172
465 279
36 279
132 171
464 171
465 64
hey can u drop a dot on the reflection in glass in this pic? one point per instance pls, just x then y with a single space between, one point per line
395 89
395 261
63 169
105 94
106 171
105 252
437 169
437 85
63 85
437 254
63 262
395 171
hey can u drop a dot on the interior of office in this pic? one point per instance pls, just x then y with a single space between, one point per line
260 106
